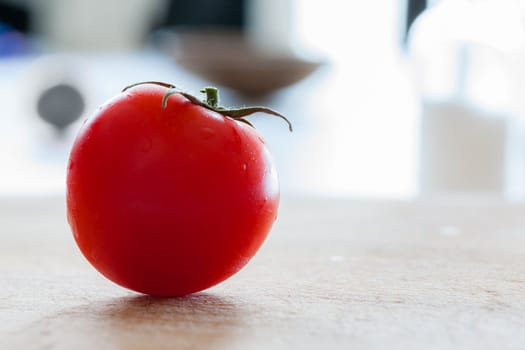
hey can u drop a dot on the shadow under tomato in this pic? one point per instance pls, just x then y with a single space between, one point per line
139 322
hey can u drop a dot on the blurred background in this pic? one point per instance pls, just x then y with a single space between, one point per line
388 98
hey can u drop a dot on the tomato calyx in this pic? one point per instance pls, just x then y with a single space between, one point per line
212 103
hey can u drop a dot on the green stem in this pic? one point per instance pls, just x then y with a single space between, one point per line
212 96
166 85
212 103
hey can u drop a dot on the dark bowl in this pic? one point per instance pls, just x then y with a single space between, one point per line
228 59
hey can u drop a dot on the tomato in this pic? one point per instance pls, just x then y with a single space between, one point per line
167 195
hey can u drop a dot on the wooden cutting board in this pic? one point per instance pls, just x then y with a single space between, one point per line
445 273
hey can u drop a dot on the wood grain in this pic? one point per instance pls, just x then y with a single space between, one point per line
442 273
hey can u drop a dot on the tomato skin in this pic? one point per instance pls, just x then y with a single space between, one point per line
168 201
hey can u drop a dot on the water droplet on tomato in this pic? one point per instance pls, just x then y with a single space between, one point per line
244 167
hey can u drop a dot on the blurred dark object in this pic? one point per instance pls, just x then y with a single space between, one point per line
206 13
15 16
60 105
414 9
14 24
228 59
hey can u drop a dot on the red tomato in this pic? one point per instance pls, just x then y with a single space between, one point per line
168 201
